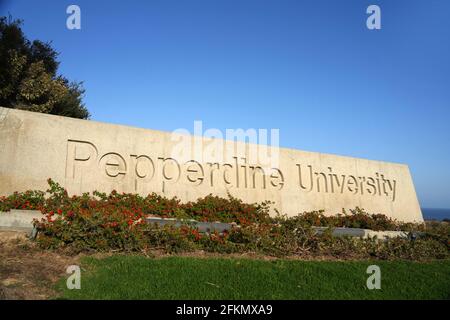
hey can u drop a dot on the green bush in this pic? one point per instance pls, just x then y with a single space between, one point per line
357 218
29 200
101 222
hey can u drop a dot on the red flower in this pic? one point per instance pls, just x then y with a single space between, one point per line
196 234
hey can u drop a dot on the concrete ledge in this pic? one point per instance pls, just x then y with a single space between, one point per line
207 227
204 227
21 220
363 233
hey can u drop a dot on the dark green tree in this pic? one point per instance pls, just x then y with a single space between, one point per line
29 79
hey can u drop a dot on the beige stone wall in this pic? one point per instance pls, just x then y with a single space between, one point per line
86 155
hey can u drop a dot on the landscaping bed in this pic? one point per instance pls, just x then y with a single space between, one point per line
118 222
27 272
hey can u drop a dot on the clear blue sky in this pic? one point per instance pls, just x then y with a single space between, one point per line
310 68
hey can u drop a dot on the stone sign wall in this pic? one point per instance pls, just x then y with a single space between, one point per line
84 156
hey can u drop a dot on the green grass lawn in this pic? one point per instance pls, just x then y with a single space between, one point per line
135 277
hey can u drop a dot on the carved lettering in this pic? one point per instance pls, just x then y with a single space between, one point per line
277 178
309 179
113 164
79 154
83 157
255 170
194 172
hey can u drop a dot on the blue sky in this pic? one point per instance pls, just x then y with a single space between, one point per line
310 68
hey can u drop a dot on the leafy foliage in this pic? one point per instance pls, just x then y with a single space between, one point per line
102 222
28 76
355 218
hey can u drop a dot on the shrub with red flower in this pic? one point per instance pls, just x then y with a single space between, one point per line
117 221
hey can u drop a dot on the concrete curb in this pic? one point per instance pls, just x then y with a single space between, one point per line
204 227
20 220
364 233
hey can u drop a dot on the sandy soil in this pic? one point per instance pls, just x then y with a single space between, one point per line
27 272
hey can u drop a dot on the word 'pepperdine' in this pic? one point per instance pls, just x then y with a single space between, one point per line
144 168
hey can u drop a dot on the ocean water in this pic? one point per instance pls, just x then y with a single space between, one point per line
435 214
